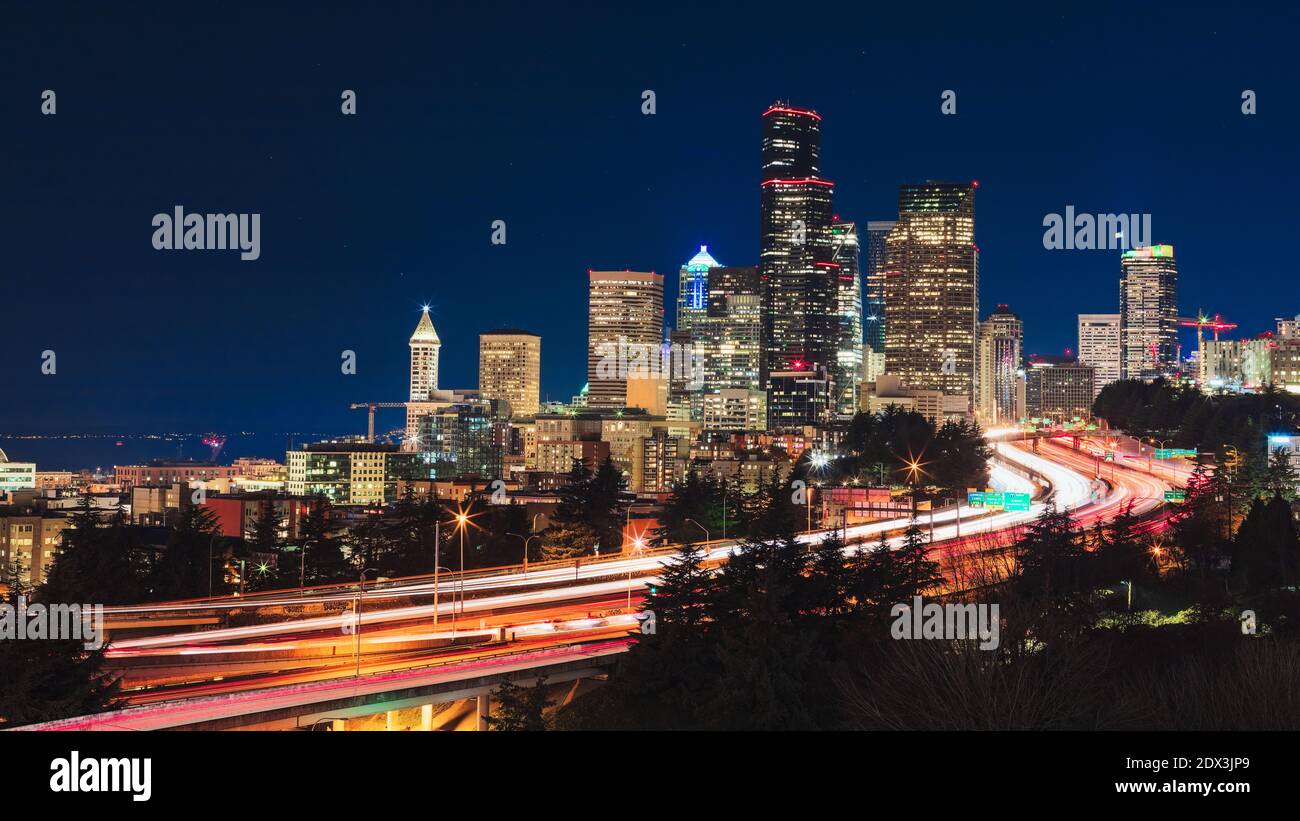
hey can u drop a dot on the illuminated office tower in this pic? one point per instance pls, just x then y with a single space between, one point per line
693 289
1099 346
509 368
932 292
731 334
625 331
1148 308
424 359
800 282
873 298
1000 356
848 376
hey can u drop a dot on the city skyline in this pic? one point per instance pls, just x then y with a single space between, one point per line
397 231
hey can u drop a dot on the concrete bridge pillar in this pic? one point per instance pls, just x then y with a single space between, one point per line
426 717
484 705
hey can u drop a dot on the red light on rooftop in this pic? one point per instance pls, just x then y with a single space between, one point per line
788 110
805 181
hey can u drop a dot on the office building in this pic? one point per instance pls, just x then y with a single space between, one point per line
509 369
873 297
1099 346
932 291
799 279
735 409
729 337
693 289
1059 389
1001 368
625 331
1148 307
848 376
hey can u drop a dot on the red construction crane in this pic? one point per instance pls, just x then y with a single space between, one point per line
1201 322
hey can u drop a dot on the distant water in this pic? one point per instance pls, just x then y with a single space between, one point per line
74 452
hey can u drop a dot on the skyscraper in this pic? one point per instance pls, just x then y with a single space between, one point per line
509 368
693 289
730 335
874 293
800 283
1099 346
932 291
425 345
1148 308
1001 368
625 331
845 253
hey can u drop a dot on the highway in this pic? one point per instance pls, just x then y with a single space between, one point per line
505 615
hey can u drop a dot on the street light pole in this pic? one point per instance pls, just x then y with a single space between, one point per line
707 538
356 615
437 543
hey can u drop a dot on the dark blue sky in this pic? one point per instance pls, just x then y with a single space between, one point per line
531 114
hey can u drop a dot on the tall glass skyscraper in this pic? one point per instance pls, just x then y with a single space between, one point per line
873 297
1148 312
693 289
1001 368
845 254
932 291
799 280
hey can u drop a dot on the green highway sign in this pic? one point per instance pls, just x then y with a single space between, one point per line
1110 456
993 499
975 498
1175 496
1016 501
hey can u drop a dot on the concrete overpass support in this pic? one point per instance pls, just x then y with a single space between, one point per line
484 705
426 717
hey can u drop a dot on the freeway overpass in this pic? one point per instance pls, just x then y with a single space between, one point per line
247 676
303 705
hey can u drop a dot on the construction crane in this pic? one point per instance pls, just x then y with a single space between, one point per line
1201 322
371 407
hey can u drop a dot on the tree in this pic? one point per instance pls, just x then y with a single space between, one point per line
572 531
183 571
96 564
1050 559
520 708
1266 548
917 573
48 679
678 600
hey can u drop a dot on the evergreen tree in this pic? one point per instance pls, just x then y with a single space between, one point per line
1266 549
48 679
917 573
184 571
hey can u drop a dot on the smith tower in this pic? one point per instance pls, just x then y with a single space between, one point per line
796 268
424 359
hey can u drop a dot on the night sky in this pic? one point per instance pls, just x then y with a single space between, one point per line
532 115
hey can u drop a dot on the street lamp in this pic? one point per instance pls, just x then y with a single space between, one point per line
707 538
638 544
525 540
356 616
